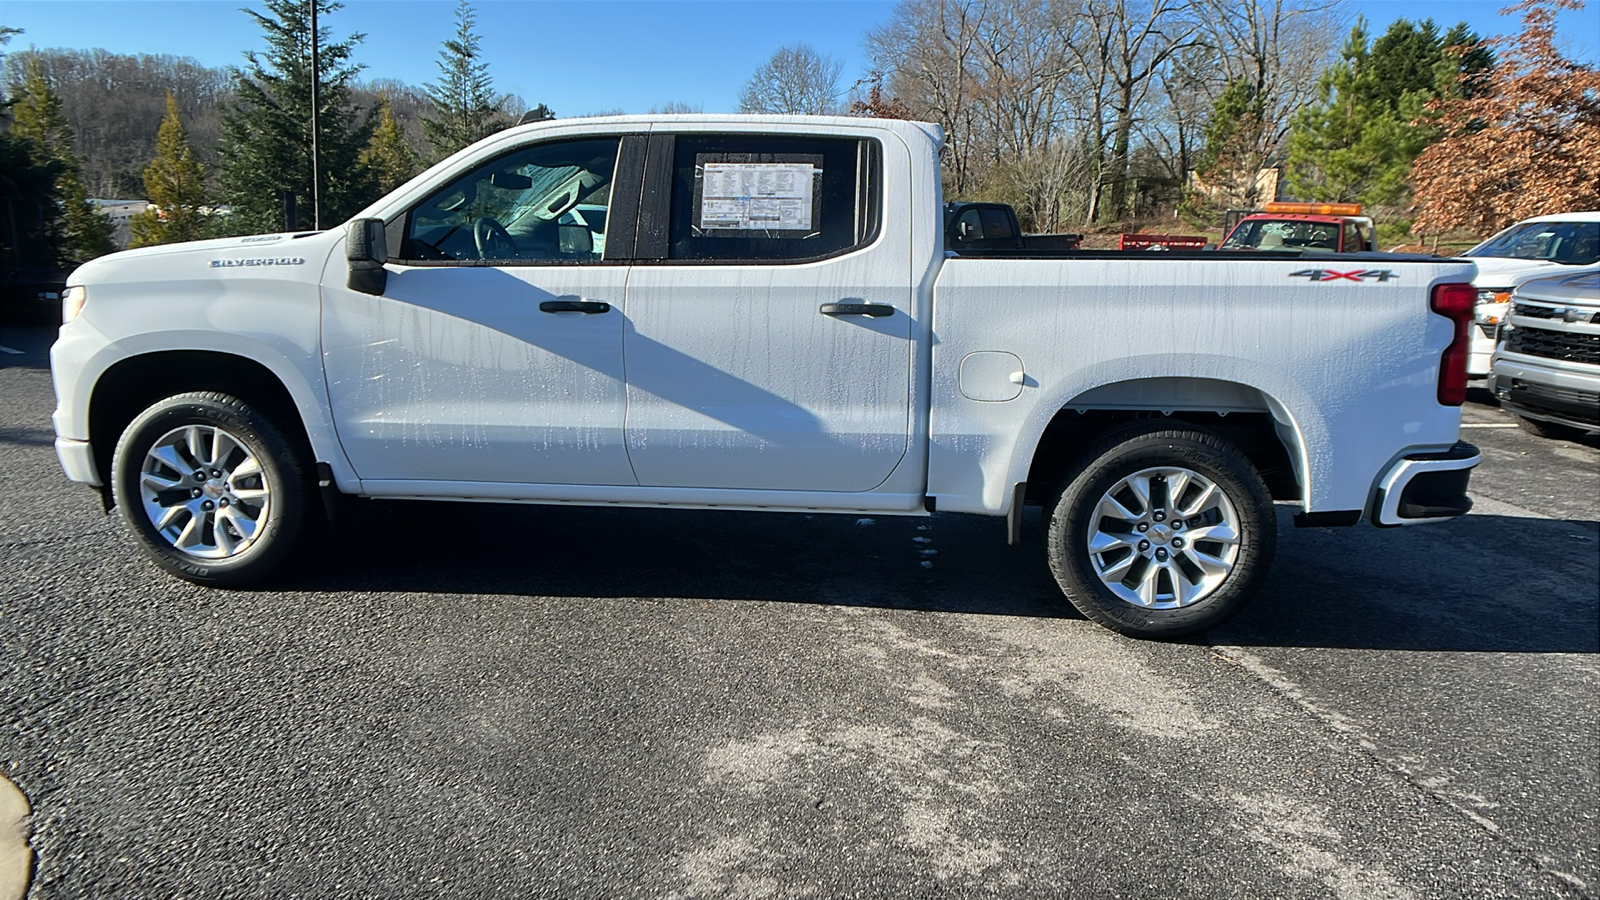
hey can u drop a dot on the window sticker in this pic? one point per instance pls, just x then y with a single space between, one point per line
745 195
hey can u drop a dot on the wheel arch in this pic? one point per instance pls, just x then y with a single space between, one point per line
131 384
1262 427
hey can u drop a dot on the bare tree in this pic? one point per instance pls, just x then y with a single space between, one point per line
1128 46
115 103
929 50
797 80
1278 49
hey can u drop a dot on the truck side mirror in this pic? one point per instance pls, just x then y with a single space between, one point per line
366 247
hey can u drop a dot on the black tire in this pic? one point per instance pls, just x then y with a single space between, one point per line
1553 430
1155 446
282 479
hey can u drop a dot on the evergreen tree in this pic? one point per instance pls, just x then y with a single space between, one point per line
465 106
388 155
1228 172
1357 143
77 231
175 182
26 189
266 132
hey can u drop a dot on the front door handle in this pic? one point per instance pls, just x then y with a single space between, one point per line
875 310
587 307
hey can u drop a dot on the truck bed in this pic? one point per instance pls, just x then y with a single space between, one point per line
1326 344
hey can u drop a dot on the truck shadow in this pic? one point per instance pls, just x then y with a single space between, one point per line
1483 583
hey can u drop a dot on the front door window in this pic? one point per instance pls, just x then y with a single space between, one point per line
543 204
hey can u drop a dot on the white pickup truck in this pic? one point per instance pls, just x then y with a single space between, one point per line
758 313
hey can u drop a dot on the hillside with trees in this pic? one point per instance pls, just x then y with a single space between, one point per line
1082 116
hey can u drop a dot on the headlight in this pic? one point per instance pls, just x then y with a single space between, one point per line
72 302
1492 306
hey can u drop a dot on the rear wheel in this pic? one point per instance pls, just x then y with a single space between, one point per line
211 488
1161 531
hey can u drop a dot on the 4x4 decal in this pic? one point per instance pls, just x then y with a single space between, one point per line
1356 275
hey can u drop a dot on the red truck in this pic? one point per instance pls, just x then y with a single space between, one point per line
1337 227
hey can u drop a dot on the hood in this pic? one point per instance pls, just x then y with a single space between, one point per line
1578 287
1503 271
287 249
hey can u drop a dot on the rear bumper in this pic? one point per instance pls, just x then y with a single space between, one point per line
1426 487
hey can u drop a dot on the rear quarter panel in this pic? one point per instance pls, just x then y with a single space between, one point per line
1350 368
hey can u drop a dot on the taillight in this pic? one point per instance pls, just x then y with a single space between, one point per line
1456 303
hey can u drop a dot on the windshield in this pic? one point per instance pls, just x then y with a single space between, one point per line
1268 234
1569 243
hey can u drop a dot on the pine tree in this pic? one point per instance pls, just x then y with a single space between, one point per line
266 131
1227 174
78 231
27 188
388 155
175 182
465 106
1357 143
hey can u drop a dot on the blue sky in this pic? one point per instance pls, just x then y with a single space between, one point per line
582 56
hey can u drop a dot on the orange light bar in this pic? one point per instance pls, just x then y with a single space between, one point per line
1315 209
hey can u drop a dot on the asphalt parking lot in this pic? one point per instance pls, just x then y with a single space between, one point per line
525 701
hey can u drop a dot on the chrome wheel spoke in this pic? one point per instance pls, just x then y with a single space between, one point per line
170 516
1150 557
1110 507
1117 570
1188 591
1212 566
168 457
224 540
243 524
1101 541
194 441
1146 591
1140 486
1222 532
196 497
1207 494
250 467
1177 483
189 537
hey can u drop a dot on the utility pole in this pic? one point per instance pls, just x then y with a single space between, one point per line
316 123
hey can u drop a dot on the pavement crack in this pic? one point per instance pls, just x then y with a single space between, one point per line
1428 786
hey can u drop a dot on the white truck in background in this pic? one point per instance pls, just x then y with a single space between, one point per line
773 323
1545 245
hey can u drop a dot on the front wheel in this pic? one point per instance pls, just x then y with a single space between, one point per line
1161 531
211 488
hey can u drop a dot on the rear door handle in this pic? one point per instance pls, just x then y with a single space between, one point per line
875 310
587 307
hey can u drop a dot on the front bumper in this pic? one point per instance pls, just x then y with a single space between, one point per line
77 460
1550 393
1426 487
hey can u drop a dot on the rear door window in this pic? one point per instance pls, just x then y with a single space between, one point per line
771 198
